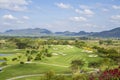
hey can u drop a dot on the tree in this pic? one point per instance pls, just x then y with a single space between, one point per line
76 65
101 42
38 56
49 75
29 58
109 42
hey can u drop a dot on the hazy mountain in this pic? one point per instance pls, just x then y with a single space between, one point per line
27 32
110 33
42 32
66 33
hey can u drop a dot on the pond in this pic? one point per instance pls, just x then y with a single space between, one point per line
4 54
2 61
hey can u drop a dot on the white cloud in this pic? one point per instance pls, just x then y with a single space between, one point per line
78 19
105 10
6 23
115 17
115 7
64 6
78 11
20 22
14 5
88 12
91 25
85 12
26 17
84 7
9 17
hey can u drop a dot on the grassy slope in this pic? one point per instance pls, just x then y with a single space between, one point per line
26 69
71 53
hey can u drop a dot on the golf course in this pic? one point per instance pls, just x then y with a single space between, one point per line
31 63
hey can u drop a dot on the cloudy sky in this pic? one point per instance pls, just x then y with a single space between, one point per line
60 15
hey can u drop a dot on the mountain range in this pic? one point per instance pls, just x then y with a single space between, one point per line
115 33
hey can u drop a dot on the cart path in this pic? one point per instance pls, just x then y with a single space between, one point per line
24 76
50 64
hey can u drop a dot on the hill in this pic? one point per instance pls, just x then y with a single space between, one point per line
27 32
114 33
110 33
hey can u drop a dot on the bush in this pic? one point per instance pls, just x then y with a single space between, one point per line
22 62
49 55
49 75
13 59
76 65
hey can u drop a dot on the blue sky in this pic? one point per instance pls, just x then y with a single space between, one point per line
60 15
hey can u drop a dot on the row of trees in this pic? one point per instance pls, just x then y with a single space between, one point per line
23 43
111 53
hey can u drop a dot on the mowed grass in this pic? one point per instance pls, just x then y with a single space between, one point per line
67 53
11 51
29 69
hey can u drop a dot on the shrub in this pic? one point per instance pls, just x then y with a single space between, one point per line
49 75
13 59
22 62
49 55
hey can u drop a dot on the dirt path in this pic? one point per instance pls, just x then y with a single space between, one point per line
24 76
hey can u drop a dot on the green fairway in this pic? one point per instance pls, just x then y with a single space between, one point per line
26 69
11 51
66 53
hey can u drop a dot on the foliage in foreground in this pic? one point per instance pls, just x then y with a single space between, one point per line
111 74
